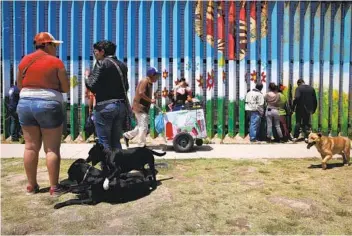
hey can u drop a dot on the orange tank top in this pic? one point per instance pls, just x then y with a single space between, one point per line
43 73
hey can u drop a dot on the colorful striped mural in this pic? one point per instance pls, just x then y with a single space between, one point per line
221 70
222 48
232 107
198 48
210 73
326 69
153 61
316 61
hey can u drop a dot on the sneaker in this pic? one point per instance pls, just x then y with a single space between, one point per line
294 140
126 140
32 190
306 140
58 190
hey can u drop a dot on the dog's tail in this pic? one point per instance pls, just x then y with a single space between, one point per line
158 153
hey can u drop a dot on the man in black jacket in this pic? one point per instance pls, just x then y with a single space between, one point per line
108 81
304 104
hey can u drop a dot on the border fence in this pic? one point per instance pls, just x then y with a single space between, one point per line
222 48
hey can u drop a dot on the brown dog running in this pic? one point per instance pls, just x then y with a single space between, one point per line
329 146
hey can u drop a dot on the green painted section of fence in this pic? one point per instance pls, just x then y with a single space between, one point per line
315 116
74 121
344 115
152 114
210 118
325 112
232 118
221 118
84 109
242 118
5 124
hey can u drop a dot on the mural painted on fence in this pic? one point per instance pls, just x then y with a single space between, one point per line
222 48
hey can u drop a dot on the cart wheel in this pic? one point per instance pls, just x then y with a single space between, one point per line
183 142
199 142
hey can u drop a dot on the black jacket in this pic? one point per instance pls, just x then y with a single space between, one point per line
305 99
105 81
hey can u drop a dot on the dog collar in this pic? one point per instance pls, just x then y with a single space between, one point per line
85 175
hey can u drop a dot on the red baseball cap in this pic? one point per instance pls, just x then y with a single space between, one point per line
45 37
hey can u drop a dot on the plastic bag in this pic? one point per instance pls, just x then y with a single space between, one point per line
159 123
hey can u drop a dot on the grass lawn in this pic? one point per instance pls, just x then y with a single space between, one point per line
205 196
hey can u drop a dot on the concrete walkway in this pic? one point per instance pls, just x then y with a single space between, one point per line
233 151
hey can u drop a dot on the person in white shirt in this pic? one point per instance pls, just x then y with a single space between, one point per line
255 109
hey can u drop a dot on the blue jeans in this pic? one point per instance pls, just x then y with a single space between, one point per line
254 125
46 114
109 120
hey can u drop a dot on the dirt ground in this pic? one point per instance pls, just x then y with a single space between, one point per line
203 196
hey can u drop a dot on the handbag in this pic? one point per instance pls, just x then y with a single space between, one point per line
89 127
129 114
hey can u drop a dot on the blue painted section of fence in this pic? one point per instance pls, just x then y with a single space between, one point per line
154 35
28 27
52 18
142 39
314 41
165 47
274 42
17 37
286 47
306 39
108 19
316 62
199 53
326 67
40 16
120 50
97 26
86 45
131 47
334 112
346 116
188 42
176 47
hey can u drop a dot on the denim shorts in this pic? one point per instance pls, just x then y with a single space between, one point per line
39 112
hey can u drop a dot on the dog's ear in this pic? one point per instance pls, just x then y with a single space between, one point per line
319 134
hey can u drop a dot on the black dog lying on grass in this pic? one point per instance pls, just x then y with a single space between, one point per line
87 182
114 163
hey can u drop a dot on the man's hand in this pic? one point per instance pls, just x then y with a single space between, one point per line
153 101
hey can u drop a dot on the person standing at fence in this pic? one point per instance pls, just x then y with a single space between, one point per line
141 105
255 110
284 111
272 99
42 79
108 81
304 104
15 128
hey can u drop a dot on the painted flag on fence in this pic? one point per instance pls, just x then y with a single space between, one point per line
199 19
264 19
243 31
232 31
253 23
210 23
221 27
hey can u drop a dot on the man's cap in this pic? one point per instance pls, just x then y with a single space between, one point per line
45 37
153 71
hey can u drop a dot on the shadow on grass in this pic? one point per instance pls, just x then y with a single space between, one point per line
163 147
329 166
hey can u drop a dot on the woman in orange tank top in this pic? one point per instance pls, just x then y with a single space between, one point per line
42 78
